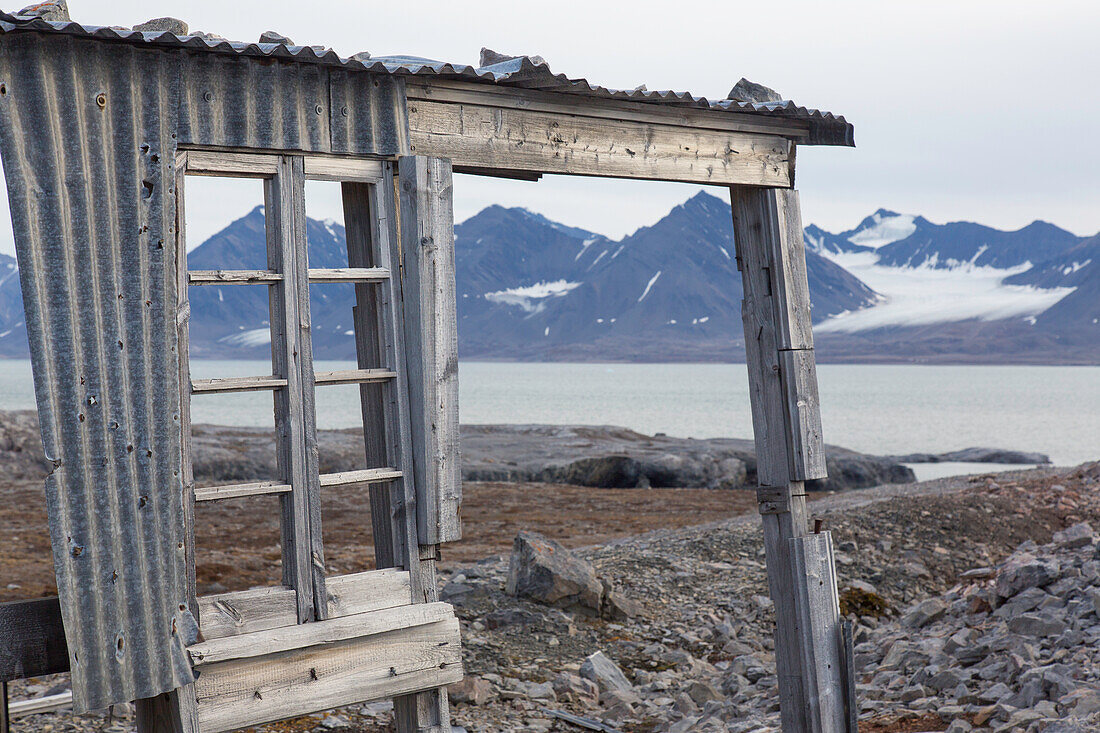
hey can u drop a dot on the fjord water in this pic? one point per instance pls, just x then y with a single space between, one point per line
880 409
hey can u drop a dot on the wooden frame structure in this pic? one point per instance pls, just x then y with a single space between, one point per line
390 133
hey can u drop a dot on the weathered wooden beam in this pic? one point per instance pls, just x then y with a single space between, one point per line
818 616
292 360
236 384
476 136
355 376
360 476
248 691
786 424
431 344
348 275
507 97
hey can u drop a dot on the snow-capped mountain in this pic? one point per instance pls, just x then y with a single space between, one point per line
895 288
529 288
1028 287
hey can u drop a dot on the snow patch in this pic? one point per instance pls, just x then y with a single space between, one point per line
886 229
917 296
532 298
253 337
585 245
649 285
1070 269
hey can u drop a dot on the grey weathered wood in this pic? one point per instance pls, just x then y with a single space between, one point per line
236 491
328 632
783 501
509 97
363 236
772 261
431 343
348 274
291 360
232 277
806 446
361 476
355 376
236 384
507 138
228 163
326 168
245 692
259 609
818 614
45 704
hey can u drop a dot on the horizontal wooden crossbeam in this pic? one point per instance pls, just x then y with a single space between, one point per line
348 274
365 476
355 376
236 491
233 277
236 384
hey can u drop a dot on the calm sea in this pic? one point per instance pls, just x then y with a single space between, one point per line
879 409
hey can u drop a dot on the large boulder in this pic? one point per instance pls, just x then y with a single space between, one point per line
544 571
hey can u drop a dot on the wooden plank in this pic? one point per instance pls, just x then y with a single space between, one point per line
259 609
45 704
783 501
362 476
318 633
805 444
236 491
477 136
362 238
355 376
324 168
431 342
818 614
232 277
794 327
613 109
32 639
247 692
236 384
238 165
423 711
348 275
283 195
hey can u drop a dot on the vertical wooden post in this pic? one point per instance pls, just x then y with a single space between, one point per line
786 426
292 359
431 338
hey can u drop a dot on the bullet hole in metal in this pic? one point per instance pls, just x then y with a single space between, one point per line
147 189
120 344
142 501
3 89
129 449
144 148
80 416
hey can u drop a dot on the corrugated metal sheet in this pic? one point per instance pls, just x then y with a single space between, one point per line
87 135
825 127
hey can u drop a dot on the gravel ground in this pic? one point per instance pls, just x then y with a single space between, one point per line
699 656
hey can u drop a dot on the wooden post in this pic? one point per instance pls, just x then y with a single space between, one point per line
786 426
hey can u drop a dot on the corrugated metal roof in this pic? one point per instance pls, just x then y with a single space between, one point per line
825 127
88 138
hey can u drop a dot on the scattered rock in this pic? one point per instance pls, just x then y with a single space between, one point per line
54 10
274 37
1022 571
471 691
1079 535
924 613
163 25
748 91
599 668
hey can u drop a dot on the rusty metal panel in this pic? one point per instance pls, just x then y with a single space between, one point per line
87 137
227 101
368 113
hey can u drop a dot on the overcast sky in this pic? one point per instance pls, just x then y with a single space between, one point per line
985 111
